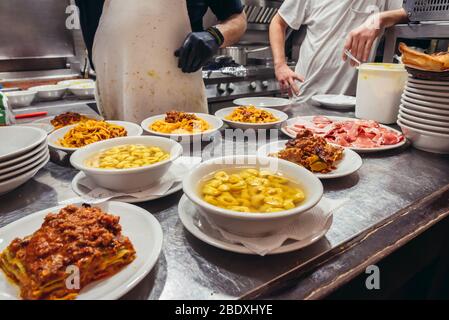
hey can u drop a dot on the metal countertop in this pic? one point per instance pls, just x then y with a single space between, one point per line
190 269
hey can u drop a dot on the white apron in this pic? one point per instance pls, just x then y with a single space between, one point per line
137 72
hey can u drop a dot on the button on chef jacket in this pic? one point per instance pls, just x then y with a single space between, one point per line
133 47
328 24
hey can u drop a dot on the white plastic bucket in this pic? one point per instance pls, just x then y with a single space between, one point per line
379 90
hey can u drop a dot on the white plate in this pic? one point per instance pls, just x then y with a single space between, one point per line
25 156
43 126
335 101
350 163
132 129
425 103
360 150
427 92
213 121
21 140
409 117
430 128
426 98
43 159
188 214
423 115
429 82
15 182
74 82
47 120
434 111
32 160
223 113
264 102
139 225
83 191
427 87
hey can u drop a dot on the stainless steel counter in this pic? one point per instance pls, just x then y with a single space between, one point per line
190 269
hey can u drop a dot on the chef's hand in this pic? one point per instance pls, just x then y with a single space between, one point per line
198 48
360 41
287 79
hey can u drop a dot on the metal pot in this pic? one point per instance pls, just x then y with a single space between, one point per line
240 54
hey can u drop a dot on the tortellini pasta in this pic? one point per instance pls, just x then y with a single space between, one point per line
127 156
251 191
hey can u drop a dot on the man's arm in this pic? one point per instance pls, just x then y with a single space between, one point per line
284 74
360 41
232 29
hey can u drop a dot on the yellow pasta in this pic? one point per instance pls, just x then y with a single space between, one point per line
180 123
251 191
127 156
251 114
89 132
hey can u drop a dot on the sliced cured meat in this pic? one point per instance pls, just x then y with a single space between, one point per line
364 134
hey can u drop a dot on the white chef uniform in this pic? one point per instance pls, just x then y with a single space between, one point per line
133 53
328 23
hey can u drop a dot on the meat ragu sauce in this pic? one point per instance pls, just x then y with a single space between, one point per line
84 237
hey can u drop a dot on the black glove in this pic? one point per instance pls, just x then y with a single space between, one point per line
198 48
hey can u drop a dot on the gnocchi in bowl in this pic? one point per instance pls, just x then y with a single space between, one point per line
252 196
127 164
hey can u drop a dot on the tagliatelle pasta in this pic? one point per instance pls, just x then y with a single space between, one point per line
89 132
251 114
180 123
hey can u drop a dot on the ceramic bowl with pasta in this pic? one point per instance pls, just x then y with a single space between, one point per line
250 117
127 164
252 196
71 138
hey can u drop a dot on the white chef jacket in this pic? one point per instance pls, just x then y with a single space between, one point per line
329 23
133 53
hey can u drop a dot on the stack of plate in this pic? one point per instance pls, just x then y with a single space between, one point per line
23 152
424 114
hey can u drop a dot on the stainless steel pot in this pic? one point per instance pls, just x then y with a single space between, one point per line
240 54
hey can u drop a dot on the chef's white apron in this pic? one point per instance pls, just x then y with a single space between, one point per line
137 72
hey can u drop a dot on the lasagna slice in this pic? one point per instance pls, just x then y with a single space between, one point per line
72 248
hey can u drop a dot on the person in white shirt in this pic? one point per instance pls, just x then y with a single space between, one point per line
331 27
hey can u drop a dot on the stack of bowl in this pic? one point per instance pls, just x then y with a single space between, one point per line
424 114
23 152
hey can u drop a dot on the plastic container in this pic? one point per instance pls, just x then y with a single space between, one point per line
379 90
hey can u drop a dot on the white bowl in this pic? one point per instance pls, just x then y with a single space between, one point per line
428 110
74 82
22 164
419 125
132 129
422 120
213 121
425 140
20 99
17 140
15 182
25 156
423 115
223 113
127 180
252 224
264 102
83 90
49 92
8 175
427 92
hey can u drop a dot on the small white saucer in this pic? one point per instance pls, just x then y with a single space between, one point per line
83 191
188 214
335 101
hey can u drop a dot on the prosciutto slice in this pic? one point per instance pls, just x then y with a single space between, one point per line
364 134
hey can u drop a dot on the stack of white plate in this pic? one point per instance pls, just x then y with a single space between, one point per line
424 114
23 152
